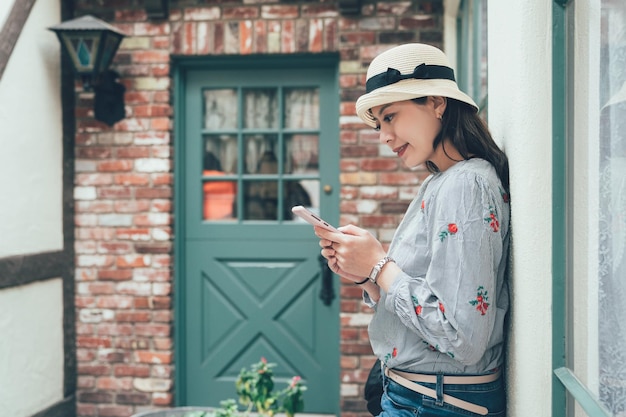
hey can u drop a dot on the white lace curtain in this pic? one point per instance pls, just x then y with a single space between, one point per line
612 209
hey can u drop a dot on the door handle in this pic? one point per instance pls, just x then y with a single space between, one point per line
327 293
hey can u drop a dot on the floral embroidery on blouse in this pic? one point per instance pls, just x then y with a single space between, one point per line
451 230
418 307
429 346
423 205
505 196
480 302
442 308
393 354
493 220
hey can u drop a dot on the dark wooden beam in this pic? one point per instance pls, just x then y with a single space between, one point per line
12 29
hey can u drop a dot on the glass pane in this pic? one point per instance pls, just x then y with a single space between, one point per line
300 193
219 202
302 154
260 200
260 108
259 154
220 154
220 109
302 108
612 207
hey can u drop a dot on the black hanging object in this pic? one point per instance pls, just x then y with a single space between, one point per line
327 294
109 98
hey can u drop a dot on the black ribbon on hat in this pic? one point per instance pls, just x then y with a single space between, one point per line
421 72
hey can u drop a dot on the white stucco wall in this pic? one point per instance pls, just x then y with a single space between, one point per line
31 347
520 118
31 138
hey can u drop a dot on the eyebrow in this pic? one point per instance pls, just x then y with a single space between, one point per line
383 108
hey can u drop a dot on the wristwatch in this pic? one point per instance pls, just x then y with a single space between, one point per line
379 267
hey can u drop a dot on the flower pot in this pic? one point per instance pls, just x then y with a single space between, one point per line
175 412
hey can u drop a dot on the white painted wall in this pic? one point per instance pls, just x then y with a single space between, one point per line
520 118
31 316
31 347
31 138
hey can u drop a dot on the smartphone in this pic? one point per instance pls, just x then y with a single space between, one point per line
312 218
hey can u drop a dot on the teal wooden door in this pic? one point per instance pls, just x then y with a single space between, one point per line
255 139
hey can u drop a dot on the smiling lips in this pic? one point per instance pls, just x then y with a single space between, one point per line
400 151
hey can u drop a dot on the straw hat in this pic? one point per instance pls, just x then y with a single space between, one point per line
406 72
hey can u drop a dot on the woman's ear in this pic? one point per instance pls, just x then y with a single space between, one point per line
440 104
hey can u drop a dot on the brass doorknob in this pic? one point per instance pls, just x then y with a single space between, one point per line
328 189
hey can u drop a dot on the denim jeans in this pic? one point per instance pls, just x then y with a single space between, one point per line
398 401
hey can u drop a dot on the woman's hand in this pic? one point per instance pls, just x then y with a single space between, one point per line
351 254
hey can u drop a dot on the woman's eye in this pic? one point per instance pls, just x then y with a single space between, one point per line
377 128
388 118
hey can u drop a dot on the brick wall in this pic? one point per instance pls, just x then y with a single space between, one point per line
124 180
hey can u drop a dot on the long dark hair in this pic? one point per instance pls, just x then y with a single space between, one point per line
470 136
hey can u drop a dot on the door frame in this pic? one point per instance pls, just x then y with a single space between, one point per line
180 66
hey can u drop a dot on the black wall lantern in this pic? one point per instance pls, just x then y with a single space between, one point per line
91 44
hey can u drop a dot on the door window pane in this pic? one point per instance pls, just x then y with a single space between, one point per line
612 207
220 109
260 200
302 154
302 108
219 160
259 154
260 108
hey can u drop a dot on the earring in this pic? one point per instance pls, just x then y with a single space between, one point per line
440 117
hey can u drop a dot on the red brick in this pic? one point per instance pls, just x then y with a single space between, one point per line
144 356
114 165
133 152
143 329
379 164
240 12
132 206
394 178
117 301
162 179
134 370
163 192
138 97
95 397
114 247
115 192
107 410
160 123
114 329
150 56
93 179
133 316
161 302
142 302
115 274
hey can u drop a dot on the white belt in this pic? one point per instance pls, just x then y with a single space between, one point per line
402 378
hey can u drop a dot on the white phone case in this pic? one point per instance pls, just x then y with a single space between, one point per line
312 218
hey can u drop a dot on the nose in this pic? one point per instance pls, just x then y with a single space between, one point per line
385 136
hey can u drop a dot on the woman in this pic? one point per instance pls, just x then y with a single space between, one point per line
440 293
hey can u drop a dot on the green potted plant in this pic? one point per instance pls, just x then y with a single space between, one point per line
255 389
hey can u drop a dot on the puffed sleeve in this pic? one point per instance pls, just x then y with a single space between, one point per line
453 306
